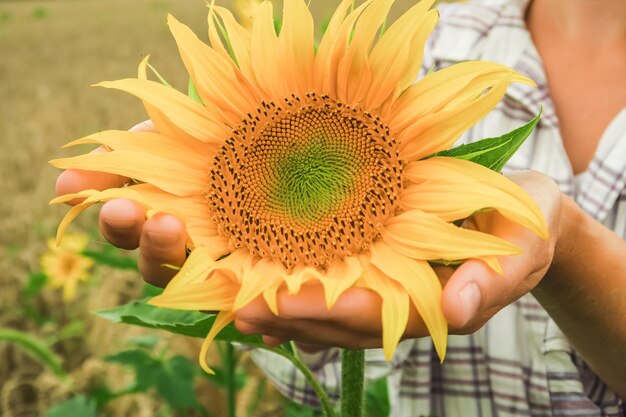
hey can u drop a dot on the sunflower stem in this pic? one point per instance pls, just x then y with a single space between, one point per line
231 371
352 381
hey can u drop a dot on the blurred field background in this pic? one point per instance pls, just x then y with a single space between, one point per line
50 53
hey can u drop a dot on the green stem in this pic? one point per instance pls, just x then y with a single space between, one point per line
36 348
327 406
352 377
229 361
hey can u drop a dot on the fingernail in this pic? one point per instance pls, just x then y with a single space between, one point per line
470 299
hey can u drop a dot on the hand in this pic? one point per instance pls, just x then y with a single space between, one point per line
161 239
472 294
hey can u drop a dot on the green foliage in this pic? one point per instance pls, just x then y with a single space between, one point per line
5 16
376 400
35 348
150 291
147 341
193 92
297 410
221 378
188 323
493 153
79 406
40 13
112 257
173 379
36 281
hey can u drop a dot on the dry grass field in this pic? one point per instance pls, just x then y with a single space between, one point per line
50 53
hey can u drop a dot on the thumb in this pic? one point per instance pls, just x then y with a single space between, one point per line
473 289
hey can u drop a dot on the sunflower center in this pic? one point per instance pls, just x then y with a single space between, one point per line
306 181
312 179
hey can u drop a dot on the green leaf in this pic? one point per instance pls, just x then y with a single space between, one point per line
175 383
34 284
147 341
189 323
377 399
77 406
149 291
112 259
219 379
293 409
493 153
35 348
145 367
193 92
173 379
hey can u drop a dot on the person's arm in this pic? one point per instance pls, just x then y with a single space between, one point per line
584 292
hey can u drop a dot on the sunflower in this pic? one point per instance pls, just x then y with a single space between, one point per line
64 265
307 163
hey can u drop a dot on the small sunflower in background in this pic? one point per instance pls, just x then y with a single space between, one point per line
300 164
64 264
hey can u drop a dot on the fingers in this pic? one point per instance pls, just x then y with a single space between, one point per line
74 180
121 221
162 242
353 322
469 291
475 292
161 239
145 126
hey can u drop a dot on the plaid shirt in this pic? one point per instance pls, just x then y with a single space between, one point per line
519 363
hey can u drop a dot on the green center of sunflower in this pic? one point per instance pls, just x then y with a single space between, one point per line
307 181
312 179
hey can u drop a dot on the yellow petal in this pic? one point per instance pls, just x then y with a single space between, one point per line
265 54
216 293
296 43
238 39
493 263
234 264
425 236
184 112
421 283
354 74
265 274
299 276
192 210
195 269
447 88
223 319
396 59
439 131
91 197
160 120
70 215
214 76
180 149
395 308
332 47
168 175
473 187
341 275
270 296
